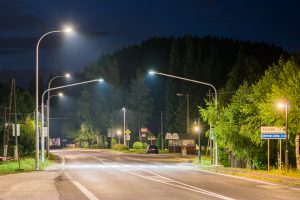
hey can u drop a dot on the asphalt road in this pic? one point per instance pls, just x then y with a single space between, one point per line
113 176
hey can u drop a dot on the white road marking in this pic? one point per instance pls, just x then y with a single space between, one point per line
85 191
168 181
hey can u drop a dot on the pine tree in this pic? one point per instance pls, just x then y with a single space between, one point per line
171 87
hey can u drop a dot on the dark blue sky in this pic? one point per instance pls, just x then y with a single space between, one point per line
105 25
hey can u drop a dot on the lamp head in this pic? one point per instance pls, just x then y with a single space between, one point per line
67 75
119 132
152 72
60 94
68 29
101 80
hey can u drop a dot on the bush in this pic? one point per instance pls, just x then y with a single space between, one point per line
113 142
138 145
145 145
120 147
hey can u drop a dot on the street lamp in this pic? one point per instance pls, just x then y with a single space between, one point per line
198 131
37 159
56 88
187 111
124 127
119 133
151 72
60 94
286 156
67 75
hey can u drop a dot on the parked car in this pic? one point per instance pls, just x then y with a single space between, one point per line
152 149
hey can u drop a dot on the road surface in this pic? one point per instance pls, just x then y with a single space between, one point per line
105 175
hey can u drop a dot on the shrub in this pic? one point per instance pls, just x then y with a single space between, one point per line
113 142
138 145
120 147
145 145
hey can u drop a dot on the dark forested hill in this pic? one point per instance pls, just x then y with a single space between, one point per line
223 62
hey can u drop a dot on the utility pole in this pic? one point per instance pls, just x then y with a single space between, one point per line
161 130
15 109
6 130
187 113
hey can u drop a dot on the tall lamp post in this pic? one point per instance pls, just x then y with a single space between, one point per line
286 156
187 111
199 82
48 118
67 75
37 159
56 88
124 126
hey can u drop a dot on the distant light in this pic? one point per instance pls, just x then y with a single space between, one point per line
151 72
281 105
68 29
123 108
60 94
101 80
197 128
119 132
179 94
67 75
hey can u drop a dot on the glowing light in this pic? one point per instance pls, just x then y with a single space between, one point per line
68 29
67 75
60 94
101 80
151 72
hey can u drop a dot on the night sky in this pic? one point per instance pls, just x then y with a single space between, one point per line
106 25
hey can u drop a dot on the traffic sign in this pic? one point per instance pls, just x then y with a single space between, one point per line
272 132
144 130
273 136
127 132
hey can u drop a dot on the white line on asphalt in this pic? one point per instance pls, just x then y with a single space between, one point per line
85 191
168 181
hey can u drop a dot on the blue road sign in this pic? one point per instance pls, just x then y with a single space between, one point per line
273 136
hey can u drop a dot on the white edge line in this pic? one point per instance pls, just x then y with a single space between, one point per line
85 191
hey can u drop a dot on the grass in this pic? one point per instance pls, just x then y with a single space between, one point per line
26 164
205 161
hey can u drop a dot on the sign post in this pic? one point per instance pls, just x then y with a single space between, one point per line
273 132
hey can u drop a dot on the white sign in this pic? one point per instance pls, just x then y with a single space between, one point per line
18 129
272 129
175 136
45 131
127 137
168 136
272 132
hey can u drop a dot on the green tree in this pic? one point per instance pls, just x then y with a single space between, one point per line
140 102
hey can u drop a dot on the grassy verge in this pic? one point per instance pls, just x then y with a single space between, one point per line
205 161
26 165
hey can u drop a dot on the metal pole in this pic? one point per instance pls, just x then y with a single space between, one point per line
187 113
124 109
216 102
37 159
48 115
42 135
280 156
55 88
268 154
199 150
15 108
287 138
161 130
